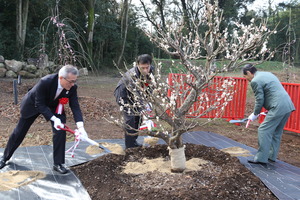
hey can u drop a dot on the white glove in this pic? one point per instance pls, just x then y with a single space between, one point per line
147 125
148 107
81 129
57 122
253 117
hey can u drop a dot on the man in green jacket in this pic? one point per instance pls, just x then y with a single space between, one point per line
270 94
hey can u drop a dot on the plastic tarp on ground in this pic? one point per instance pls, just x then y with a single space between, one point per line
54 186
281 178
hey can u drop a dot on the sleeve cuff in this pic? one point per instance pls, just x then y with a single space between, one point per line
53 118
79 124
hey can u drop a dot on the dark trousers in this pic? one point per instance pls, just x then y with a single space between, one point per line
134 122
19 133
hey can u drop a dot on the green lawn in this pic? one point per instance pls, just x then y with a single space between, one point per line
175 66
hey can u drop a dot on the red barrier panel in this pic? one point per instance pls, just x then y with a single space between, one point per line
293 123
234 109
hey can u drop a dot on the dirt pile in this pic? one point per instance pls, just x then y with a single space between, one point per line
222 177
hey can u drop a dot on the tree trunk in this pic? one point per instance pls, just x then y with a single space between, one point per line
21 24
185 15
178 159
124 29
160 6
91 25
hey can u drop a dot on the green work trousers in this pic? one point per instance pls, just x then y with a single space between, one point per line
269 137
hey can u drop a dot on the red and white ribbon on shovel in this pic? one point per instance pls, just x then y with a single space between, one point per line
78 137
260 114
76 142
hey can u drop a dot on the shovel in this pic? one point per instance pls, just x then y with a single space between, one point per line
246 120
79 137
238 121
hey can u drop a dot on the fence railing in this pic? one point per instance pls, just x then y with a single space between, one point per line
234 109
293 123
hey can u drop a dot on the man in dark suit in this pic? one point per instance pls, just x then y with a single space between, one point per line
124 95
270 94
47 98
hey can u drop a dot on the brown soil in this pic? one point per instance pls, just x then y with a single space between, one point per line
223 176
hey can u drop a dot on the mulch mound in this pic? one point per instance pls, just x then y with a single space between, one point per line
223 177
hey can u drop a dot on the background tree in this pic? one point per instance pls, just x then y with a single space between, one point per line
103 43
7 27
21 24
234 9
124 28
91 25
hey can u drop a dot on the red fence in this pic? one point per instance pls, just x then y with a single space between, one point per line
234 109
293 123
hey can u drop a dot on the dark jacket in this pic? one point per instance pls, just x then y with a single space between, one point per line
127 84
40 99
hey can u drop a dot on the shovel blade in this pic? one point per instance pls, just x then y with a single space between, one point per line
239 121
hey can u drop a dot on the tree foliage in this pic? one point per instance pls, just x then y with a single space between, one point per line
287 39
41 35
105 45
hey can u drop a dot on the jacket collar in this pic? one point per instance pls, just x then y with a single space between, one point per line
138 73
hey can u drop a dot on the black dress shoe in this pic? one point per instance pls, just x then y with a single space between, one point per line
256 162
60 168
2 163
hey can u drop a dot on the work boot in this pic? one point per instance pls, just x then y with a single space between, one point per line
2 162
130 141
136 144
132 145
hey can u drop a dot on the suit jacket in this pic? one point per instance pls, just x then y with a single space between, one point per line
270 94
40 99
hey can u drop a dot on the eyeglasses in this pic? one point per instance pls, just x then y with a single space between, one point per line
71 82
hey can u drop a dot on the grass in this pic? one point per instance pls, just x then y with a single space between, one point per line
175 66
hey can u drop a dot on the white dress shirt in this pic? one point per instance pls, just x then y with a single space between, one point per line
58 90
